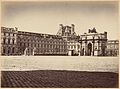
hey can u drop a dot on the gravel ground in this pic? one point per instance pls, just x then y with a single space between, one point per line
75 63
58 79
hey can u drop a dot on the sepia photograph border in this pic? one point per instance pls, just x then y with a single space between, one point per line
59 1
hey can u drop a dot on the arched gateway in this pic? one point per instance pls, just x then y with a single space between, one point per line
89 46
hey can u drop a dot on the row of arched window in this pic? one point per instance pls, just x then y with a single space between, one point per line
42 41
41 45
8 41
9 34
8 50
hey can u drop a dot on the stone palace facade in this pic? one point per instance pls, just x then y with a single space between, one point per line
112 47
65 42
16 42
93 43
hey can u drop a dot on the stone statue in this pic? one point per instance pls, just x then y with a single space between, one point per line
92 31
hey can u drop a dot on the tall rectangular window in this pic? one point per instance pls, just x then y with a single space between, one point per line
12 50
9 41
13 41
3 50
20 44
4 40
4 34
8 34
28 44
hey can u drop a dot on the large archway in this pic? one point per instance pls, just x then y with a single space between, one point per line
89 49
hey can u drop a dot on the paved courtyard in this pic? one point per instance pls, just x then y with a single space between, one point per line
59 79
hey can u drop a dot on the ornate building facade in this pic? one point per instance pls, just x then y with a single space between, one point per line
40 44
8 41
68 34
16 42
65 42
93 43
112 47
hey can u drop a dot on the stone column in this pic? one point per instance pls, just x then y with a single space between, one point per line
86 46
93 45
81 46
98 53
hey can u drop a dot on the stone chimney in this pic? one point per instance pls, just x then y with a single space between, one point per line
60 26
105 33
72 28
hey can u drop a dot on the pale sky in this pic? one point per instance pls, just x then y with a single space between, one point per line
45 17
